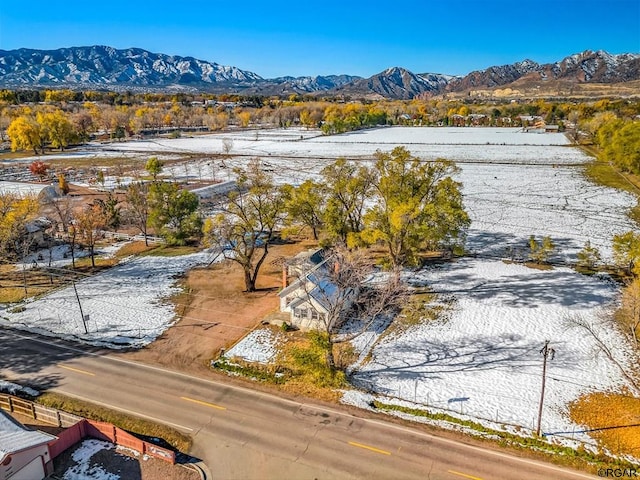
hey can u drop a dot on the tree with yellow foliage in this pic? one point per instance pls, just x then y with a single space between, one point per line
59 130
15 213
89 224
26 134
245 118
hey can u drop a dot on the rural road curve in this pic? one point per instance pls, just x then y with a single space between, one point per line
244 434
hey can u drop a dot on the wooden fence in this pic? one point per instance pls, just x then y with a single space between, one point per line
78 428
38 412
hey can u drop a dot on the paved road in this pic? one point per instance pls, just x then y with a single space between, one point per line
245 434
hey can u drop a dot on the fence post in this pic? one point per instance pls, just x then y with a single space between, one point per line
10 405
33 410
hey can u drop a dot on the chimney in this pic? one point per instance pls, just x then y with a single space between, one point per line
285 277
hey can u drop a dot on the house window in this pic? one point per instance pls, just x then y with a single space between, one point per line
288 300
296 312
314 314
303 313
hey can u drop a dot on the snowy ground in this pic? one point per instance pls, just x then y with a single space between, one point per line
260 346
483 359
13 389
85 467
60 255
126 305
491 145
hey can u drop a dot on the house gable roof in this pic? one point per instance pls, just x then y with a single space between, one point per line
15 437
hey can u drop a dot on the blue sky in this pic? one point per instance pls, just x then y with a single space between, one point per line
274 38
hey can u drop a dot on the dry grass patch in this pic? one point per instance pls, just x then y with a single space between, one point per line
13 279
134 248
130 423
614 419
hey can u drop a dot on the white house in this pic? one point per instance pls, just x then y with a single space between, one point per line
312 300
24 453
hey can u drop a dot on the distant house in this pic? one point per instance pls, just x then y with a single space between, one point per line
24 453
530 120
215 190
312 300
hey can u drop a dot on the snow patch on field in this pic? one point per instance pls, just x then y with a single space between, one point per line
125 305
259 346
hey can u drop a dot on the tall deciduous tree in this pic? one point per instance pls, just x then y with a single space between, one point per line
626 250
347 188
589 256
417 206
343 286
246 226
26 134
58 128
15 213
154 167
540 251
629 313
88 226
39 169
305 205
173 212
138 207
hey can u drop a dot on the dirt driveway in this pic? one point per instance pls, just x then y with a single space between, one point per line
216 312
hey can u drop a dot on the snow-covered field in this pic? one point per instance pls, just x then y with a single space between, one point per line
125 305
492 145
508 203
483 358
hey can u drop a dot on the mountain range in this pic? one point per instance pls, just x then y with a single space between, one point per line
103 67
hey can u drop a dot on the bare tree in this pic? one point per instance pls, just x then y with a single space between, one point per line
227 146
89 224
138 207
348 290
60 212
597 331
246 227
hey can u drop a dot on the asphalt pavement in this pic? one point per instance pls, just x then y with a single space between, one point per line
245 434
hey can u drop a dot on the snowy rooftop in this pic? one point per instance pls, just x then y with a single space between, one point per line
21 188
14 437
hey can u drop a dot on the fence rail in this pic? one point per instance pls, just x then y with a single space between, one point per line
126 236
78 428
38 412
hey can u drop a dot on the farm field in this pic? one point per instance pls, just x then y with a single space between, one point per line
480 360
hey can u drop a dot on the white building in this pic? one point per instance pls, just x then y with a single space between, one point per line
312 300
24 453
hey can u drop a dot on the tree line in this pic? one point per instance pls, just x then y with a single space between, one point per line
58 118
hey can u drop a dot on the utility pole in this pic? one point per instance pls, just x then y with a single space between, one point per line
546 351
84 322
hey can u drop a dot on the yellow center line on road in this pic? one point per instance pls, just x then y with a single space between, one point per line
367 447
77 370
471 477
206 404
